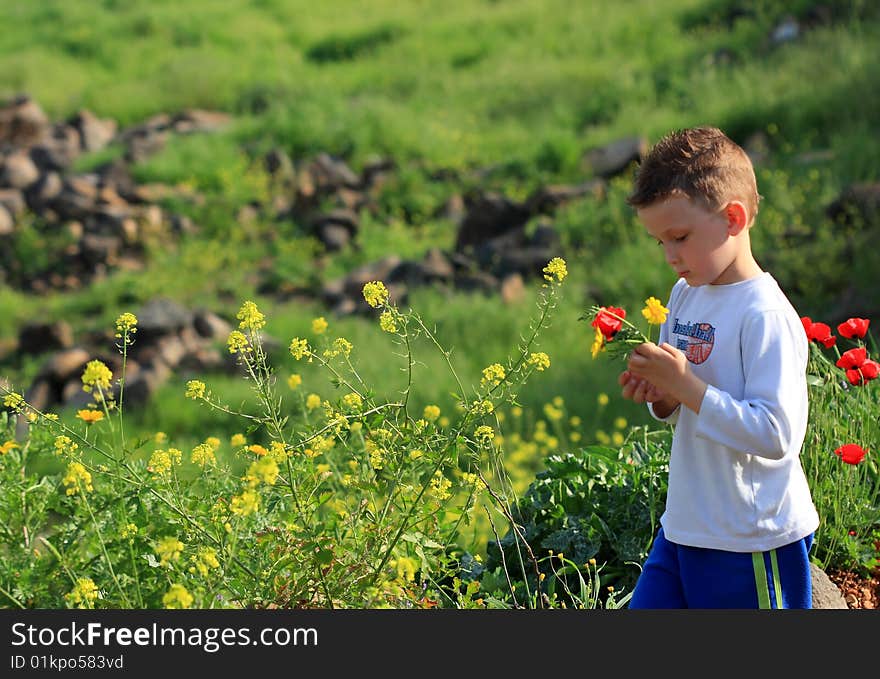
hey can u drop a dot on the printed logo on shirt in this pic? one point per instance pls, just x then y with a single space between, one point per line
695 340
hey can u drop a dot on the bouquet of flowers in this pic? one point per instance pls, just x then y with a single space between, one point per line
614 334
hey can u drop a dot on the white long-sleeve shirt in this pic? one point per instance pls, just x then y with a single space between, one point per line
735 477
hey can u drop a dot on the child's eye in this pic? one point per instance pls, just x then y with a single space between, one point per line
680 239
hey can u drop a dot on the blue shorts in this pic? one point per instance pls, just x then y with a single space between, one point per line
676 576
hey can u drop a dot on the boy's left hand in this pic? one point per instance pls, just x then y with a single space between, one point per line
668 369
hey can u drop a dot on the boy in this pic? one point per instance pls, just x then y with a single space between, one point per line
729 371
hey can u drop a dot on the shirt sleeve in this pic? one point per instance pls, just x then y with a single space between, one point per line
770 419
672 418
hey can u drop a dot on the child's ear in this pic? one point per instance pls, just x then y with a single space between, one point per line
737 217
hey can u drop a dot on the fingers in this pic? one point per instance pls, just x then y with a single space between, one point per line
635 389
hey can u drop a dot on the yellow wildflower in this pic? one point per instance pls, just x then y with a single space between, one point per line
90 416
195 389
375 293
6 447
440 486
299 348
204 560
431 413
278 451
237 440
96 374
83 594
258 450
602 399
203 455
319 325
387 322
213 441
13 401
64 445
555 271
246 503
250 317
620 422
264 470
160 437
77 478
161 461
294 380
484 433
126 324
128 532
539 360
177 597
237 342
493 375
353 401
168 549
313 401
617 438
654 311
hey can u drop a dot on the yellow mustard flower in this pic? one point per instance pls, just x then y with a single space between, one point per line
319 325
313 401
387 322
168 549
237 440
205 560
539 360
203 455
195 389
654 311
299 348
353 401
294 380
484 433
160 437
440 486
84 593
375 293
620 422
263 470
555 271
64 445
126 324
251 318
602 399
177 597
13 401
96 374
162 461
493 374
77 479
245 504
431 412
238 342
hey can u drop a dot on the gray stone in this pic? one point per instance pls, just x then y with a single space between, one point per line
825 593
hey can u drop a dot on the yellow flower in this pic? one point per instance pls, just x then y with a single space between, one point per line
205 560
246 503
375 293
602 399
213 441
126 324
168 549
90 416
602 437
237 440
161 461
353 401
555 271
540 360
96 374
440 486
516 411
484 434
77 478
386 322
250 317
83 594
294 380
493 375
299 348
160 437
203 455
319 325
237 342
264 470
6 447
431 413
620 422
598 343
654 311
13 401
64 445
195 389
313 401
177 597
617 438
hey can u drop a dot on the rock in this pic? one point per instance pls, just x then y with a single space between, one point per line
489 215
37 338
22 123
19 171
825 593
95 133
612 159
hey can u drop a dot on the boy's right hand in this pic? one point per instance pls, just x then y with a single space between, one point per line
638 390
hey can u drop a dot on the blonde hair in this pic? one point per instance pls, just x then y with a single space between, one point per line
701 163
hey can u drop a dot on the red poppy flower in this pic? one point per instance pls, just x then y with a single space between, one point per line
608 321
851 453
854 327
852 359
866 372
818 332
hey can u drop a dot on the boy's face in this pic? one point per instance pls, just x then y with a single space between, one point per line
697 242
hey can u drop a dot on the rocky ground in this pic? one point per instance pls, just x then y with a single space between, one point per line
859 592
